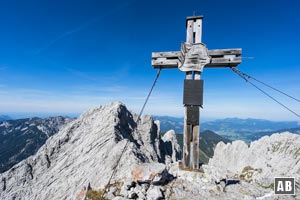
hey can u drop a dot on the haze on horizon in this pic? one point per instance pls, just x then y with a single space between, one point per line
63 57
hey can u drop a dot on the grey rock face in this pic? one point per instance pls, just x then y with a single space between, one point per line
82 153
272 156
154 193
171 145
220 180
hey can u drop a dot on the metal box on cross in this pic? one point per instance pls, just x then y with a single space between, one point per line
191 59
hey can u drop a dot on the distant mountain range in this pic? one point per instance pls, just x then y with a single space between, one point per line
22 138
168 123
4 117
248 129
234 128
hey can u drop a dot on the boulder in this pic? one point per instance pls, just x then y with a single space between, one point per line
154 193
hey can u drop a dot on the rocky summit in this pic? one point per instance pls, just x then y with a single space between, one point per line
77 162
84 153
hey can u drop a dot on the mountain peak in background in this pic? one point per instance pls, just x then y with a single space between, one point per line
22 138
4 117
234 128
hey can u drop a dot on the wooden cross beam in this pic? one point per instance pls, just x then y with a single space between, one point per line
192 58
219 58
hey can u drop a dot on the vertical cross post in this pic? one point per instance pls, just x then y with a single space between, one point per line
191 123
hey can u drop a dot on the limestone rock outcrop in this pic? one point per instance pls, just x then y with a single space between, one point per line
84 153
272 156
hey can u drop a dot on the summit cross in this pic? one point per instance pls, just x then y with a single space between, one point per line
192 58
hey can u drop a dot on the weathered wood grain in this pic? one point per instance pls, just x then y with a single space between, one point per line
213 53
224 62
221 52
165 64
190 31
186 143
215 62
198 31
167 54
195 149
189 75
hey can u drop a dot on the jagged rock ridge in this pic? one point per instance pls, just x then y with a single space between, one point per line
84 153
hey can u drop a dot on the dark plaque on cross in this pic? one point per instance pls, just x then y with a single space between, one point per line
192 58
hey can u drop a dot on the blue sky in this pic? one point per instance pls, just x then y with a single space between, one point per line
63 57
